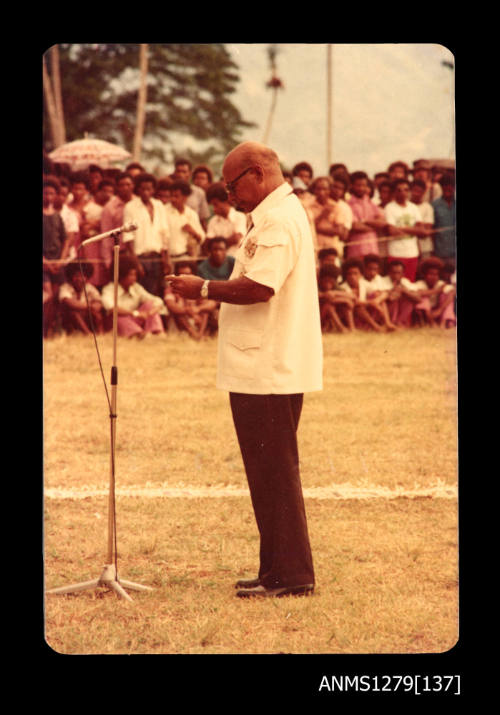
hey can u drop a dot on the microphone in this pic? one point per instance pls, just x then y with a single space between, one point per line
115 231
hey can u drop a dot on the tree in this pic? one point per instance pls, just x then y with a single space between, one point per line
53 97
274 84
188 93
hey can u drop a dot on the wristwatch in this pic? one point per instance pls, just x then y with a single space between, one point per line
204 289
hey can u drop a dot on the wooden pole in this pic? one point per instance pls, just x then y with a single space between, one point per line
329 83
141 103
56 81
50 104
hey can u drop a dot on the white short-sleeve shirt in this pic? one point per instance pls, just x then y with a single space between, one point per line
389 284
178 238
236 222
150 235
274 347
403 217
377 283
433 299
364 289
130 299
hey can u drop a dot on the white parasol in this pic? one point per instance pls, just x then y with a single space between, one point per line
79 154
445 164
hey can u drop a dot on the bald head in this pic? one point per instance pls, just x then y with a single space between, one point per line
249 153
263 173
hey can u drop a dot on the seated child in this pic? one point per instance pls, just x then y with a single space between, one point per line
74 307
449 274
195 316
438 297
332 301
328 257
402 294
367 312
377 286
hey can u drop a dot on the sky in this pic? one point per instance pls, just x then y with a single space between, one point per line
389 102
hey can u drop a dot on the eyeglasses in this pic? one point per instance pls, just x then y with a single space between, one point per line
230 185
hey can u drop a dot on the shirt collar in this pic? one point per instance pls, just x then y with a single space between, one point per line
271 200
363 199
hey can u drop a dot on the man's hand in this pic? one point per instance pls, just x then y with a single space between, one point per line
185 286
238 291
149 313
189 229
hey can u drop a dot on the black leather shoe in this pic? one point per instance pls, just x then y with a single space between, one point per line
263 592
248 583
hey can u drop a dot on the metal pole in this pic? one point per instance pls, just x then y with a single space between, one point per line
109 576
114 383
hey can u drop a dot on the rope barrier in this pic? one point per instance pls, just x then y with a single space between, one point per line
381 239
65 261
384 239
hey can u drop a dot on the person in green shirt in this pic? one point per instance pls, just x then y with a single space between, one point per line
218 266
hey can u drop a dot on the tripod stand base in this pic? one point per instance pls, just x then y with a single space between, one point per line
108 579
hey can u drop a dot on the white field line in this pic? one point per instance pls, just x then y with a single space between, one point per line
186 491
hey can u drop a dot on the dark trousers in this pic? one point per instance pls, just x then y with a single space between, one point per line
152 280
266 427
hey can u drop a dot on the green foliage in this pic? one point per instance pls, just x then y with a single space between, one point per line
188 92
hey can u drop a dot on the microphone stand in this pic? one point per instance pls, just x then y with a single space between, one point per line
109 575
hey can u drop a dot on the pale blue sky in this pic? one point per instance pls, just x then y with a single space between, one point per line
390 102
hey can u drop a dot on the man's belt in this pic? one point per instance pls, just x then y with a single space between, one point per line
151 254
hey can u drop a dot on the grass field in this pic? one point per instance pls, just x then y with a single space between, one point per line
378 451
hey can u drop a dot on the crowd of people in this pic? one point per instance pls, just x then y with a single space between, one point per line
385 246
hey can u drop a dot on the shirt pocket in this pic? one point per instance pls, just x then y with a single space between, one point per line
243 348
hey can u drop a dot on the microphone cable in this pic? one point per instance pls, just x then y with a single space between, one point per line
112 441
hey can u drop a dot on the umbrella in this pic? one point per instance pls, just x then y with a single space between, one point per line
81 153
446 164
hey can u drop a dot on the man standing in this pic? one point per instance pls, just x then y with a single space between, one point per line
368 218
185 230
197 199
270 353
90 226
405 227
417 196
55 251
226 221
150 239
112 218
444 221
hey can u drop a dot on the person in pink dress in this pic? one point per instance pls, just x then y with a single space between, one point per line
139 312
438 297
368 218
